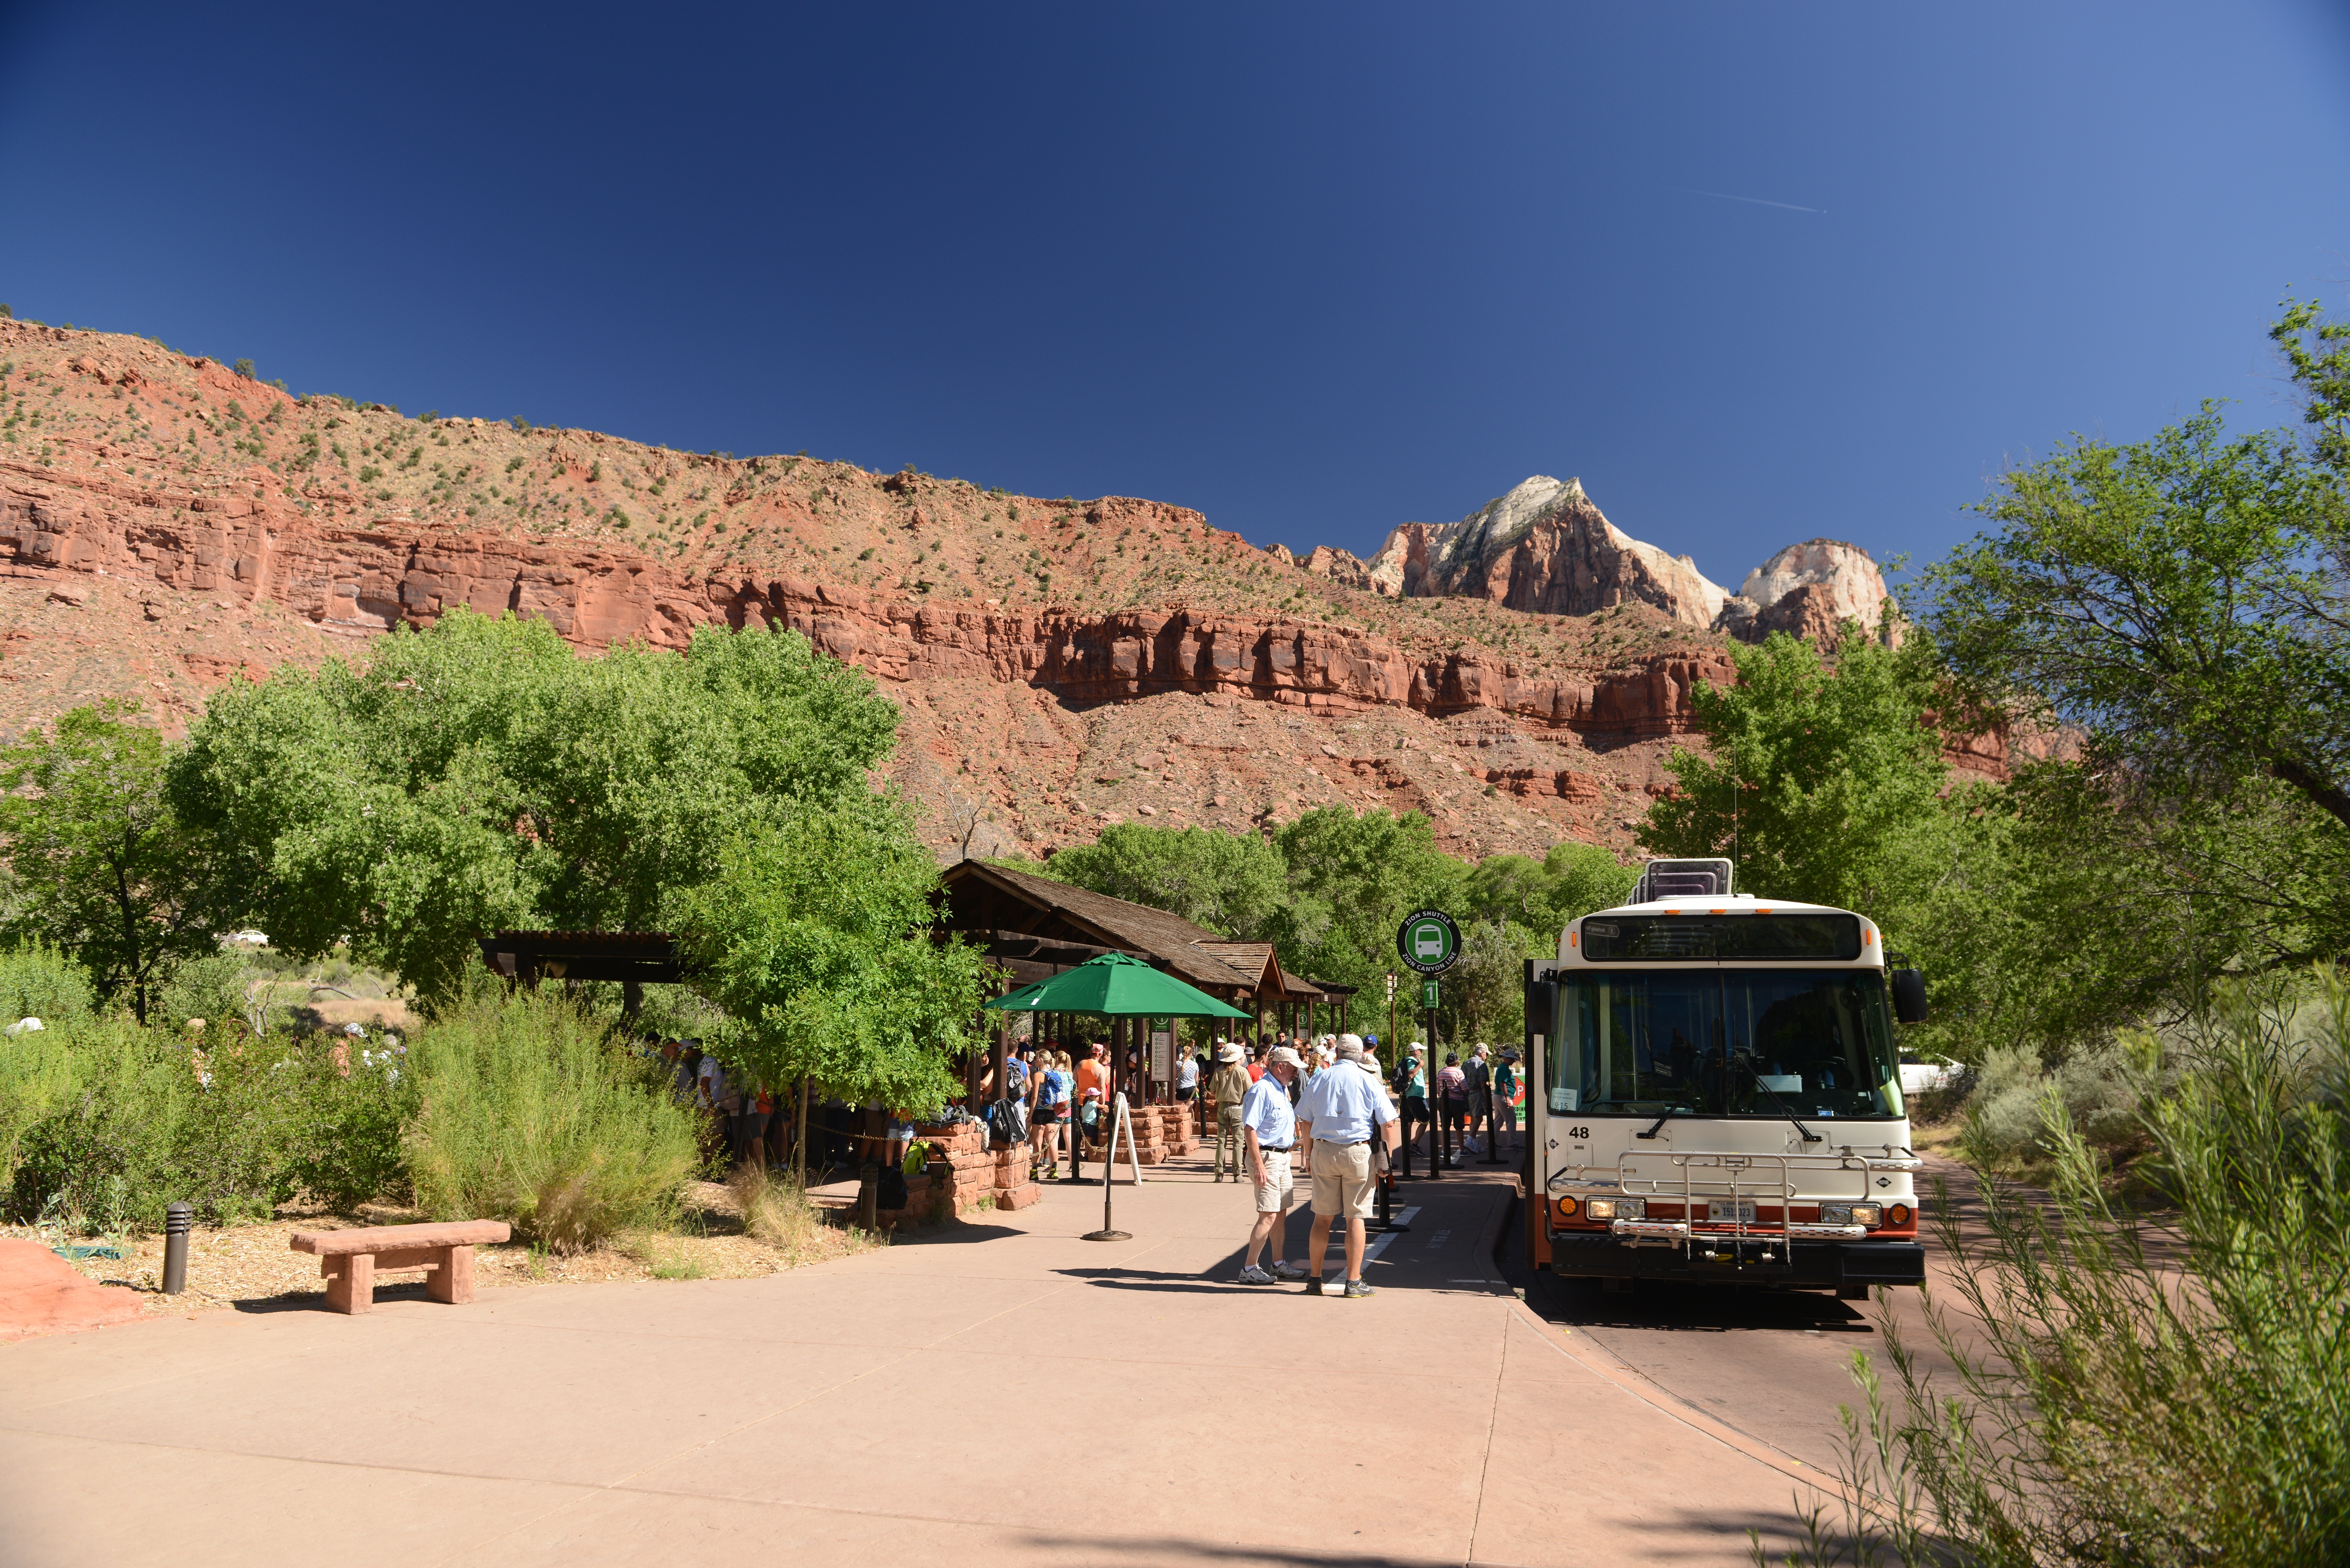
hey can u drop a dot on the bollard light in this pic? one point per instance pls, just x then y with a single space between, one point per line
177 1218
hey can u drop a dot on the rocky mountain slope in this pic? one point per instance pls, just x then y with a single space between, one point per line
166 524
1545 548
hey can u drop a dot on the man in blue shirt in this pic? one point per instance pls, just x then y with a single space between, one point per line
1341 1112
1269 1127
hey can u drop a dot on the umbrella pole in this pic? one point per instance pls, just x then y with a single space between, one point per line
1109 1165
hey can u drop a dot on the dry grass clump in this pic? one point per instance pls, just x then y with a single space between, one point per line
774 1208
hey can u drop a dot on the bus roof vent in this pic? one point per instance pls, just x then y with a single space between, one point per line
1683 879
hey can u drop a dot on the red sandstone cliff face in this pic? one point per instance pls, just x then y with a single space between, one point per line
362 581
166 524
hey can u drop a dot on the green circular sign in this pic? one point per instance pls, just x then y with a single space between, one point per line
1429 942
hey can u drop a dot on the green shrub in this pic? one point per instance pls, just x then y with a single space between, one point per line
36 1075
117 1138
2101 1091
531 1111
38 982
216 988
349 1149
116 1120
2132 1394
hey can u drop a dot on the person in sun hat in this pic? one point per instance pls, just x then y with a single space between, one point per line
1342 1114
1411 1089
1227 1089
1269 1127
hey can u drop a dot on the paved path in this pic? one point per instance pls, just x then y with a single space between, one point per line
1012 1395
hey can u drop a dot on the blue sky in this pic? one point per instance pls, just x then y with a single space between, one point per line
1756 273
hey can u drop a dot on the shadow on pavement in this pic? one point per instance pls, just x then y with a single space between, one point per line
1694 1308
1152 1279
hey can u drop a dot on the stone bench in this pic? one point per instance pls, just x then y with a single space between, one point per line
351 1259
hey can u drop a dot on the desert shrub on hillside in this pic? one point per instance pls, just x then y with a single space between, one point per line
533 1112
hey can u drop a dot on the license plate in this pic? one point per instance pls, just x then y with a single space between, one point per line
1722 1213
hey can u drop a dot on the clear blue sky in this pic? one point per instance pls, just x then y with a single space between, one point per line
1755 273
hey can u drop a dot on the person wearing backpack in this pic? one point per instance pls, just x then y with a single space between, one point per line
1506 1097
1052 1083
1478 1073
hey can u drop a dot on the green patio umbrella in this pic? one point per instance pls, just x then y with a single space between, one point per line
1117 986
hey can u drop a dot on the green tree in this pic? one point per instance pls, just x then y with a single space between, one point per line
1817 781
2179 599
1228 883
103 867
481 776
1544 895
2318 352
815 937
1352 879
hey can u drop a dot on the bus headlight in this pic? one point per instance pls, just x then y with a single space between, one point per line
1851 1214
1614 1208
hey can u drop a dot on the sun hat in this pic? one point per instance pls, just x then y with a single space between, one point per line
1228 1051
1418 1048
1350 1047
1284 1054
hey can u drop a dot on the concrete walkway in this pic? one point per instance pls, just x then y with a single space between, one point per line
1006 1393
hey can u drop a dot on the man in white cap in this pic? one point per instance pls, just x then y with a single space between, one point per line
1228 1088
1342 1111
1271 1127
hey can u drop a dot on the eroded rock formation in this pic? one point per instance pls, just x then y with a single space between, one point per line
362 581
1543 547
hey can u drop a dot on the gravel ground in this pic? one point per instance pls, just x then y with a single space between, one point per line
248 1265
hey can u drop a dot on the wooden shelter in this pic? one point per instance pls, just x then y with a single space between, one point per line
635 959
1036 928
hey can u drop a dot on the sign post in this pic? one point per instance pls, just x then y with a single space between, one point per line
1430 943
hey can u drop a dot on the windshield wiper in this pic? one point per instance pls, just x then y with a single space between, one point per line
1660 1121
1747 1061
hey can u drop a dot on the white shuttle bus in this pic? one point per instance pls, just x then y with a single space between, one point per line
1715 1094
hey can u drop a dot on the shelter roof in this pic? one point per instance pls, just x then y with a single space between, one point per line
1058 908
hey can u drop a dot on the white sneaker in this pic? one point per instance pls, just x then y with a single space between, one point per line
1252 1275
1285 1270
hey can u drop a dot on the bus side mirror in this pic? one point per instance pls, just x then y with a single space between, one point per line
1909 994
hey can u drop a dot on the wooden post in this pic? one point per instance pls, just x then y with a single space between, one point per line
802 1142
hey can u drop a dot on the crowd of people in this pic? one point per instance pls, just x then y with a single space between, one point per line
1264 1105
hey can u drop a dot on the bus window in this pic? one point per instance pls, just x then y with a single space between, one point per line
1736 1043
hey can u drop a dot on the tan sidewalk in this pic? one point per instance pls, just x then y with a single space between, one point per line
1015 1394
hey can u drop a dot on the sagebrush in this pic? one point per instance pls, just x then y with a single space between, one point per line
531 1111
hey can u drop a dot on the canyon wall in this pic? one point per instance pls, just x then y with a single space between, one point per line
362 580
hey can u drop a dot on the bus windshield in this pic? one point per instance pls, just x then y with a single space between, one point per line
1725 1042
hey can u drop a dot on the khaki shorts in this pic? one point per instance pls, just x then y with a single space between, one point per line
1274 1195
1342 1180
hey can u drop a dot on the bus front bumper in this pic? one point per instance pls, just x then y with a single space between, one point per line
1727 1259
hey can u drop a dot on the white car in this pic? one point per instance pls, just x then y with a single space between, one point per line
1919 1073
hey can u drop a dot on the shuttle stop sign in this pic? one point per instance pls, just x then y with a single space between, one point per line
1429 942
